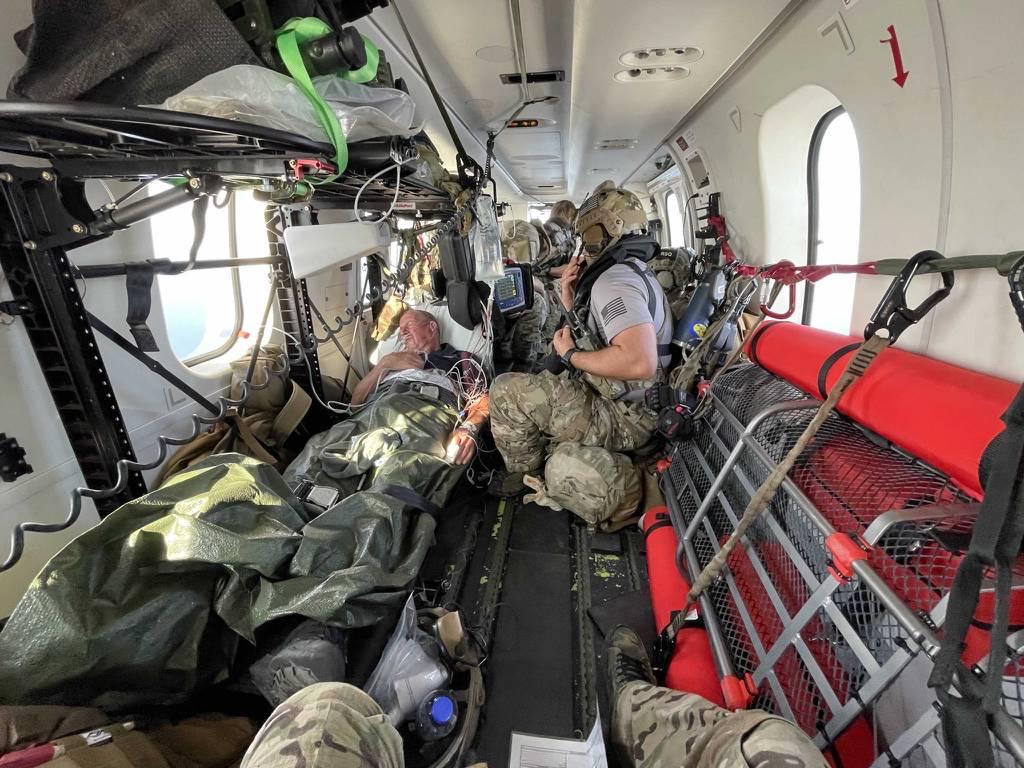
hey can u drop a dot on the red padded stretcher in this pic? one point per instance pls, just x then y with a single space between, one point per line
942 414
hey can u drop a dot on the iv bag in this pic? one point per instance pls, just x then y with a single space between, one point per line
486 240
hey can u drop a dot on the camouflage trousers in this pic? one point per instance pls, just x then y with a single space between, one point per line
561 424
327 725
524 341
656 727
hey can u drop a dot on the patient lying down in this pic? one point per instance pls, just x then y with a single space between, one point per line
419 411
173 580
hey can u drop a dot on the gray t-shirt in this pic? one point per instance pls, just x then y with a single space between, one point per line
621 298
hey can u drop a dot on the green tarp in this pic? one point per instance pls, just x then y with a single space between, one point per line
152 602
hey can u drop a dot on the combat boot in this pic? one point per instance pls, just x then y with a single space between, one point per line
627 661
505 484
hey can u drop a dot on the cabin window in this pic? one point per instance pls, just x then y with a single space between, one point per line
674 216
207 310
833 193
539 213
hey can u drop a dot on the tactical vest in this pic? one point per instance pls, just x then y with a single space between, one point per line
616 389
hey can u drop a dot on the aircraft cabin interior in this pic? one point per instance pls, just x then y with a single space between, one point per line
540 383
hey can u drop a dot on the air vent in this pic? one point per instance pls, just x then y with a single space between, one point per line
652 74
617 144
550 76
661 57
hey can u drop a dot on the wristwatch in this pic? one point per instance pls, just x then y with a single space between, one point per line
472 428
567 357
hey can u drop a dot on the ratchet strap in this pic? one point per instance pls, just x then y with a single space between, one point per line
995 544
889 320
300 30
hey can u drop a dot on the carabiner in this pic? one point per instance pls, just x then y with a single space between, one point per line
892 312
766 309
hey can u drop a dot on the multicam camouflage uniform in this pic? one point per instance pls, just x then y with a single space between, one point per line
534 414
672 269
524 341
327 725
588 420
660 728
563 243
335 725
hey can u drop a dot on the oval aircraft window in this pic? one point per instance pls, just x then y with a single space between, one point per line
205 309
834 196
676 232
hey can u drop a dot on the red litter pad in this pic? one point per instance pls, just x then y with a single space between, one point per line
942 414
692 668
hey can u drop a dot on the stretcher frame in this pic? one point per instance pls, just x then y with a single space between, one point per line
701 487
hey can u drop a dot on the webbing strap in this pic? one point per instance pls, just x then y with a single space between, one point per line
291 415
138 283
664 350
995 542
866 355
830 361
683 377
300 30
408 497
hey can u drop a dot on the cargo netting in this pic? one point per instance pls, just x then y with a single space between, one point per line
825 646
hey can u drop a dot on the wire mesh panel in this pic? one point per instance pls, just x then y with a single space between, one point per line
820 646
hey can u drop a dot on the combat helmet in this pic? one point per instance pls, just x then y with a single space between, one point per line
607 215
523 241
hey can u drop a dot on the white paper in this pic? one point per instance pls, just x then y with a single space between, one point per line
546 752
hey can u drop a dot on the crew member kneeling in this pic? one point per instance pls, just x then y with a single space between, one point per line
618 346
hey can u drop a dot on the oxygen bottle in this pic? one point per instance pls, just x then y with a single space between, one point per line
708 295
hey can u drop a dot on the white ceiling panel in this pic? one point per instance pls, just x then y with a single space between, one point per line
468 44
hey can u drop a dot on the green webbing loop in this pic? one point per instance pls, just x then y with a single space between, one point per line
300 30
1001 262
368 71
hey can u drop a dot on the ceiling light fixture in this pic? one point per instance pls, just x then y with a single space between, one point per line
617 144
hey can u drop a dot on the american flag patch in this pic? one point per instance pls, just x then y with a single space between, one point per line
613 309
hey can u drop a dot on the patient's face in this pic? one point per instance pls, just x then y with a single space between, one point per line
418 333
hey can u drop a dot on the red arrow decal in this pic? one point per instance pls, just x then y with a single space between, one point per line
897 57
